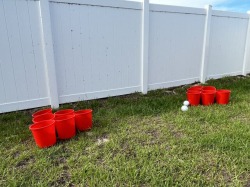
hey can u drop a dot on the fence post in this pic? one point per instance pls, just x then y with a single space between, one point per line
144 46
48 53
206 40
247 48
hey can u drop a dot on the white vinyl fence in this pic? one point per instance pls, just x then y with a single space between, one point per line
59 51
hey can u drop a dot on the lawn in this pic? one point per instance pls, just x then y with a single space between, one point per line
138 140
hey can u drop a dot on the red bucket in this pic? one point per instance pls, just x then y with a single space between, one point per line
207 97
44 117
65 126
195 88
223 96
64 112
44 133
83 119
42 112
194 97
208 88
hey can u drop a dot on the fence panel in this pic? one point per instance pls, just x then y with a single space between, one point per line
175 46
22 75
112 47
97 50
227 44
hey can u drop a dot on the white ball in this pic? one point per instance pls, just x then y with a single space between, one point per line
184 108
186 103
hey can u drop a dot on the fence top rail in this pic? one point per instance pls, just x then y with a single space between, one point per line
176 9
107 3
219 13
136 5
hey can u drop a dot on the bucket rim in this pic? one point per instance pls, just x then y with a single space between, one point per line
37 113
37 117
32 128
65 117
223 91
84 111
62 112
208 92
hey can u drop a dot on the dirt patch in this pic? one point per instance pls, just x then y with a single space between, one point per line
246 177
15 154
60 160
247 183
65 168
174 132
226 176
25 162
63 180
168 92
153 133
89 133
101 141
127 150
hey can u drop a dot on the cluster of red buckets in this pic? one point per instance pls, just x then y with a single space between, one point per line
207 95
63 124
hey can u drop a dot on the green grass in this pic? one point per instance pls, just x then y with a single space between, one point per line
149 142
